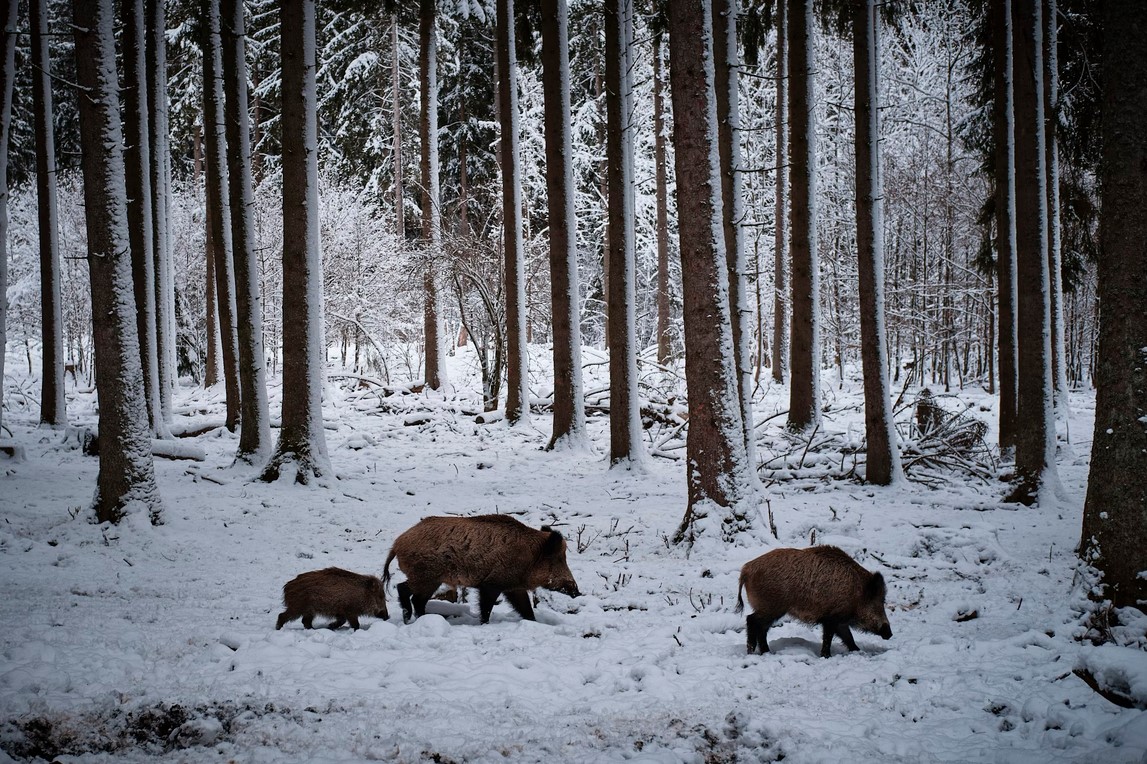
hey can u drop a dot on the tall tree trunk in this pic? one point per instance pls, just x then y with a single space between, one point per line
255 432
1035 431
219 227
882 455
718 468
7 79
1003 141
726 62
624 417
52 404
137 164
302 442
804 380
1115 512
517 389
396 126
127 472
431 211
569 403
1054 256
160 164
780 277
664 306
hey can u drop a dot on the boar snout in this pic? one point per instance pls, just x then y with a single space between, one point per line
886 631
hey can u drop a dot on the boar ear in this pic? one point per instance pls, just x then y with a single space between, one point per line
554 542
875 586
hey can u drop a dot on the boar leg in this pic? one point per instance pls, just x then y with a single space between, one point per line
519 599
757 632
404 601
837 629
284 617
336 623
487 597
307 620
353 621
845 635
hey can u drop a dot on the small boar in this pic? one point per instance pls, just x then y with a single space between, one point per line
333 592
821 584
494 553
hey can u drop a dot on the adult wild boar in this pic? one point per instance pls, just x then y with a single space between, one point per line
333 592
494 553
821 584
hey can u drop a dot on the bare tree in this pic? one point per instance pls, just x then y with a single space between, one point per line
718 468
569 404
1115 512
52 404
431 210
127 472
255 427
396 125
664 305
301 439
7 79
780 274
1054 255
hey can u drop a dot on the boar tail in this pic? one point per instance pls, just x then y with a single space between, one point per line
386 570
740 602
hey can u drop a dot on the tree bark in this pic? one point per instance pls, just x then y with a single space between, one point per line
517 390
255 430
664 306
1035 431
624 417
52 402
780 274
126 472
882 465
431 211
7 80
804 379
569 428
302 441
1003 140
396 125
1115 512
1054 255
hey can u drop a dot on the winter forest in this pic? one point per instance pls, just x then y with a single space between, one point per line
634 299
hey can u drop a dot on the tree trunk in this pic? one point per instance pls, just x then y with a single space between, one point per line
780 277
166 336
726 63
569 403
664 348
1054 258
804 380
882 456
431 211
52 404
137 165
255 432
1003 139
219 229
1035 431
1115 512
126 472
7 80
302 441
517 390
396 126
624 417
718 469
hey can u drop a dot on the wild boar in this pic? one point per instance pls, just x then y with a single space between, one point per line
821 584
496 554
333 592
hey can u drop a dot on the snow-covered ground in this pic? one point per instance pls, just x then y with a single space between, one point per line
136 643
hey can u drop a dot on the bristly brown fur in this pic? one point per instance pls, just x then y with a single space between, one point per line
335 593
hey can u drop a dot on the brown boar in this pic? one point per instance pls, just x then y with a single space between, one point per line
822 585
494 553
333 592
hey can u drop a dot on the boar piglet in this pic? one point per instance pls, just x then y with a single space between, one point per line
494 553
821 584
335 593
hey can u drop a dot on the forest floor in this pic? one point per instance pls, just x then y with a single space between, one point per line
139 643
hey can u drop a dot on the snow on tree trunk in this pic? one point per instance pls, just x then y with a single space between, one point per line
780 274
664 305
127 472
1003 141
1054 256
729 148
717 464
625 444
137 164
569 403
517 390
882 456
302 442
219 223
157 105
7 79
396 125
431 210
255 432
804 346
1035 418
52 403
1115 512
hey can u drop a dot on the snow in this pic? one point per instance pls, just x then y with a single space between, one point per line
141 643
